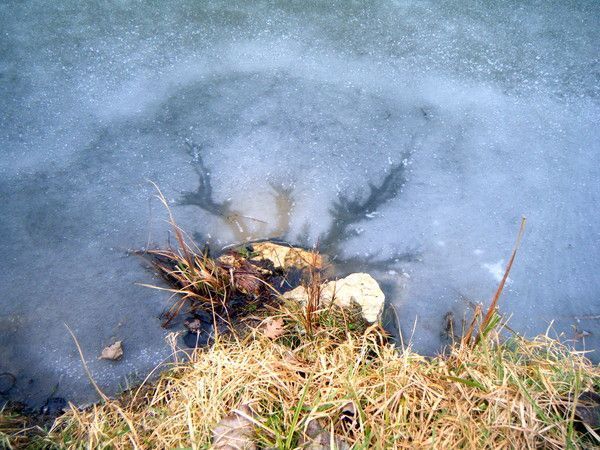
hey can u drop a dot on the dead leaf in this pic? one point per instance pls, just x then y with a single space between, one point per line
245 276
294 363
113 352
317 438
193 324
290 365
273 328
235 431
286 257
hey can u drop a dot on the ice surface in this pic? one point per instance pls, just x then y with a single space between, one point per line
490 108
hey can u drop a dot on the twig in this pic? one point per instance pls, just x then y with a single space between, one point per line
493 305
107 401
85 366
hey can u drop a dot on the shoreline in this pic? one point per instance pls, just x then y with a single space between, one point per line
317 372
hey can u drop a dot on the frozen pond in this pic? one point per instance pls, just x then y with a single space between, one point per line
461 116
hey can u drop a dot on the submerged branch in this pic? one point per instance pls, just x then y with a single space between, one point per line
347 211
370 263
202 197
236 221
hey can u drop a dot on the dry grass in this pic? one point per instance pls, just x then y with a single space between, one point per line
13 430
197 280
194 277
511 395
328 367
313 286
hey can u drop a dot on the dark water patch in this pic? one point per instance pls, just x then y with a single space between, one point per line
7 382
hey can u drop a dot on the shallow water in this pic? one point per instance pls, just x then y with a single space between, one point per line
481 113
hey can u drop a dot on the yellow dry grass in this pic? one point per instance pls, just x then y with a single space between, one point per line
328 367
519 394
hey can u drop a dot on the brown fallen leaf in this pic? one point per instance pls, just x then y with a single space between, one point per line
235 431
113 352
317 438
245 276
290 365
294 363
273 327
192 324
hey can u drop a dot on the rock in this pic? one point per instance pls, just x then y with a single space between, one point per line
360 288
113 352
286 257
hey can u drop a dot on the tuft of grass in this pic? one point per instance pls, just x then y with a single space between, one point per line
196 279
346 376
199 281
313 286
194 276
11 429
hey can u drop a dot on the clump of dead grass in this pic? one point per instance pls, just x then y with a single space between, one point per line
13 429
196 279
358 387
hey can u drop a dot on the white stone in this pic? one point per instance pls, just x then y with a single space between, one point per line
360 288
